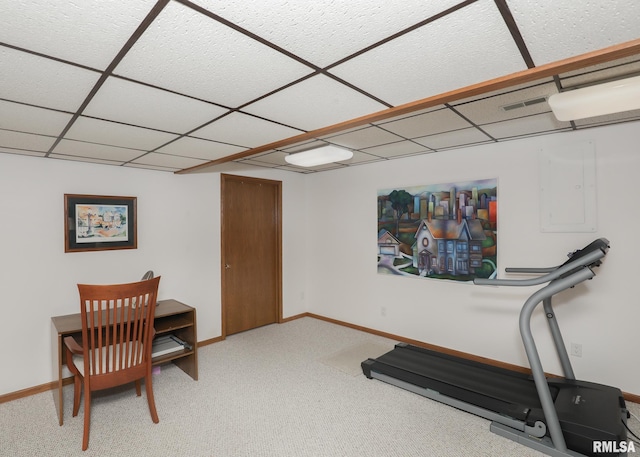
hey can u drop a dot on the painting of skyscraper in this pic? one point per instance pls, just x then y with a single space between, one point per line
439 231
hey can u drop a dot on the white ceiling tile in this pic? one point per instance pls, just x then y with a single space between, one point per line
525 126
270 157
152 167
361 157
132 103
456 138
342 27
43 82
615 68
491 109
609 119
114 134
241 166
432 122
27 141
364 138
400 148
440 57
25 118
168 160
558 29
323 167
89 32
201 149
25 152
86 159
309 144
314 103
192 54
613 72
93 150
244 130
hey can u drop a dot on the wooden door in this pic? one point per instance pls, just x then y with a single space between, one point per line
251 253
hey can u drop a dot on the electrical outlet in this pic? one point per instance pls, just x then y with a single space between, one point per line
576 350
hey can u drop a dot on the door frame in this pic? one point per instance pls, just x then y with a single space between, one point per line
224 177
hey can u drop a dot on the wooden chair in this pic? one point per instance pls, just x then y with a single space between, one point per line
117 333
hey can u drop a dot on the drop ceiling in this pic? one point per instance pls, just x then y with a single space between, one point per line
203 85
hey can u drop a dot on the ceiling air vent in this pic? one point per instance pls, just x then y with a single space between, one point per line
533 101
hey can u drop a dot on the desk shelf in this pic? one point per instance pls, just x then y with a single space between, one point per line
173 317
171 356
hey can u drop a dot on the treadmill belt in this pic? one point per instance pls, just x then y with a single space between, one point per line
493 388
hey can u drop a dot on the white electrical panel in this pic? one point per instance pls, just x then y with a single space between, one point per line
568 188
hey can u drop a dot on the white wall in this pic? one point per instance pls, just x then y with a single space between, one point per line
602 315
178 238
329 253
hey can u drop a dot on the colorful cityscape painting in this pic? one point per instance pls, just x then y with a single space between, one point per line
439 231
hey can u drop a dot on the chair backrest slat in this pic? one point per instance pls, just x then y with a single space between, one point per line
116 324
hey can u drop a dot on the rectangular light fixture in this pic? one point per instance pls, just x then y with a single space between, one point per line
598 100
319 156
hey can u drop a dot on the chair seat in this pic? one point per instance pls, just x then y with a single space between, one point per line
114 362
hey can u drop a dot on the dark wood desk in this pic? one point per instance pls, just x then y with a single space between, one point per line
171 317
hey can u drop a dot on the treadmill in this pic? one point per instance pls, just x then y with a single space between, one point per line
557 416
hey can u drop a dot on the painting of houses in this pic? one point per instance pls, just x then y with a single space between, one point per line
442 231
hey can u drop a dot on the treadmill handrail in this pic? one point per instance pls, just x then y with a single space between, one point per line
550 413
581 263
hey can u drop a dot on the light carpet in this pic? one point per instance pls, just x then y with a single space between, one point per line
273 391
348 360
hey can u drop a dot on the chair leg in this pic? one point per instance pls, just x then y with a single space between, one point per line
138 388
87 417
152 402
77 390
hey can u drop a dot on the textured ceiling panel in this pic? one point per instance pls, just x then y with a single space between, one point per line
520 103
200 85
26 152
609 119
89 32
244 130
169 161
28 141
456 138
603 73
111 133
270 157
189 53
200 149
364 138
343 27
25 118
96 151
555 30
536 124
43 82
85 159
326 102
135 104
440 120
401 148
431 60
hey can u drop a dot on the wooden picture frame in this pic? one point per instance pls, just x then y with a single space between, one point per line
99 223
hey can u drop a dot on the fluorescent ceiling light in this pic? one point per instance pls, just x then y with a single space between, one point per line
607 98
319 156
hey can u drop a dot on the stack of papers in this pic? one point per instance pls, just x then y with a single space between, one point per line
166 344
